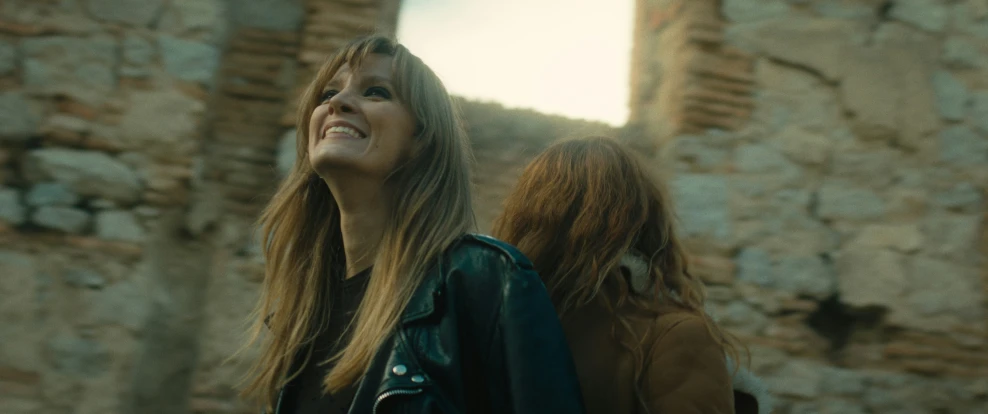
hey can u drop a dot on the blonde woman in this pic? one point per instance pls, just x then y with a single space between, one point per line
375 297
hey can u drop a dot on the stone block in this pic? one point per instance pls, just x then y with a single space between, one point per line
979 112
951 94
164 122
137 50
287 153
65 219
805 275
8 57
12 211
969 18
743 11
840 381
123 303
904 238
187 17
952 236
796 378
702 204
119 226
78 357
964 53
929 15
841 200
18 119
819 44
963 197
806 147
870 277
960 145
939 288
189 60
280 15
759 158
81 68
754 266
84 278
51 194
135 13
87 173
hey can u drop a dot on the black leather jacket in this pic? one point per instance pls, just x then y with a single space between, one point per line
480 335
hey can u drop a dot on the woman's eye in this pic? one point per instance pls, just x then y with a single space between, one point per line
379 92
327 95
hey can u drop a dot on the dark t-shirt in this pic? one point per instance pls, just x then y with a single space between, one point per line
304 395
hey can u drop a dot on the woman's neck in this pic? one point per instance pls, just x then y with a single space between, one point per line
363 216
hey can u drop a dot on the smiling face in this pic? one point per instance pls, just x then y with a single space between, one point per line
360 124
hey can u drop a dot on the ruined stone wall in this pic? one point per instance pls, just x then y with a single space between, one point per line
842 225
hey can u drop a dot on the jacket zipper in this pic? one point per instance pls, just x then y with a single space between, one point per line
393 393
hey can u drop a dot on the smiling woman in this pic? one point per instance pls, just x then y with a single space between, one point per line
375 298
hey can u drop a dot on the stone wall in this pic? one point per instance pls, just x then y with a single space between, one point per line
830 162
842 226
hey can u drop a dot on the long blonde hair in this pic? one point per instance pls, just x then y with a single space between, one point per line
303 247
580 207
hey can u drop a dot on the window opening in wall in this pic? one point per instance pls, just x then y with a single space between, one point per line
563 57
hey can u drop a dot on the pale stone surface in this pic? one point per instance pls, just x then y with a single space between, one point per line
929 15
82 68
65 219
123 303
87 173
960 145
84 278
286 153
269 14
741 11
870 277
136 13
842 200
119 226
979 112
805 275
190 17
964 197
964 53
137 50
12 210
806 147
18 119
952 96
905 238
189 60
77 356
797 378
820 44
161 122
19 330
702 204
51 194
8 57
940 288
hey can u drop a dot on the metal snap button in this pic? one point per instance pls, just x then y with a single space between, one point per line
400 370
418 379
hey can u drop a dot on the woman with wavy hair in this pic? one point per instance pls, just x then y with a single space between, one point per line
375 298
600 231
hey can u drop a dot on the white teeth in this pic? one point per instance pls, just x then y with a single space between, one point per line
343 130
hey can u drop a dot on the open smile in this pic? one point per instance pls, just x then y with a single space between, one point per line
341 129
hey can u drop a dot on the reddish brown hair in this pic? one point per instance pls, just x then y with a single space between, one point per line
578 209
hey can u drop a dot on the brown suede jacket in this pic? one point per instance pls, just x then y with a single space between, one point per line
684 370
